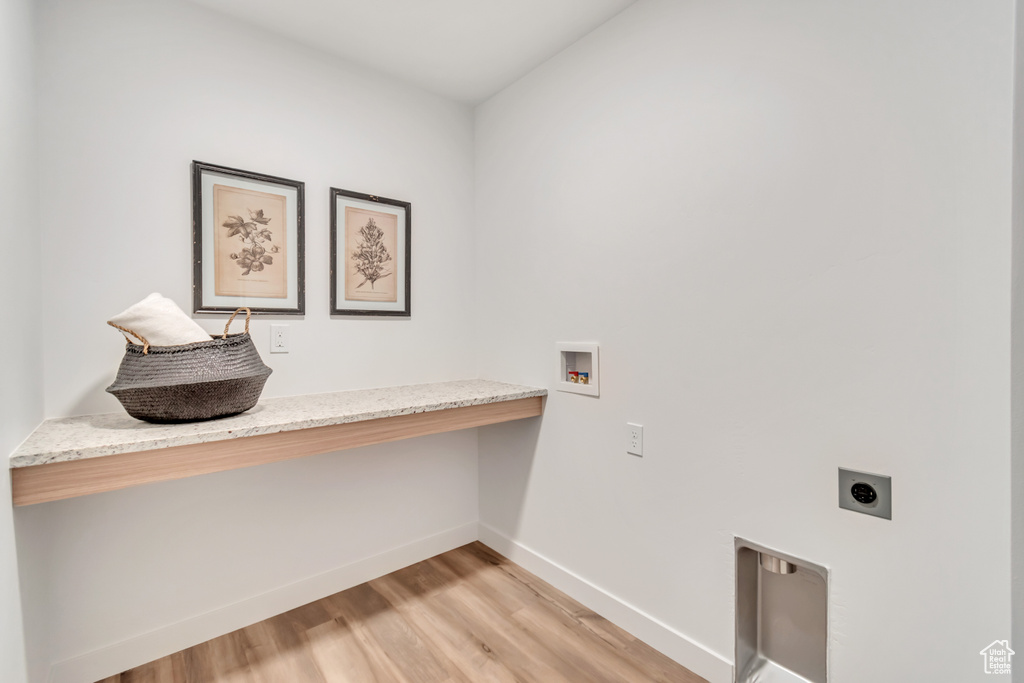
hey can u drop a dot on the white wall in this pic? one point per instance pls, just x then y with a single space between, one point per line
20 389
130 92
1017 319
788 225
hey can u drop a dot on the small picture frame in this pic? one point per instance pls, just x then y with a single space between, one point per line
248 242
370 255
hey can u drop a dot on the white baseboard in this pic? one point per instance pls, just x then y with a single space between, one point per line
661 637
147 647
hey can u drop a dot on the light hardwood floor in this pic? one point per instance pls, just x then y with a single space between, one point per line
467 616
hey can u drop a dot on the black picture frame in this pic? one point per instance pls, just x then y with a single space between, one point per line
368 204
286 194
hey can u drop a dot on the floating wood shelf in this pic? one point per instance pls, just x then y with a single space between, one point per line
70 457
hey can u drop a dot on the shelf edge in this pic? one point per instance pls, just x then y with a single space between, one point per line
60 480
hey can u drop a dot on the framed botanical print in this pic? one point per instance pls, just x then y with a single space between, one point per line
370 254
247 241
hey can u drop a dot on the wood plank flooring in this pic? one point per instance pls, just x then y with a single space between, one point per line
466 616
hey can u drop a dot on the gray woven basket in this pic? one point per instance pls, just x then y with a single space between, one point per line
191 382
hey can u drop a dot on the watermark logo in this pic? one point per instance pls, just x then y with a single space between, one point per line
997 657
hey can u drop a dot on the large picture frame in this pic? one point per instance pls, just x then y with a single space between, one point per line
248 242
371 255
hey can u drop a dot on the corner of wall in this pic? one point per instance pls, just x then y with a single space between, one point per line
1017 336
20 364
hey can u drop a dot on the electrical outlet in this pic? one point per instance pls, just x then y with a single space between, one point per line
864 492
279 339
634 439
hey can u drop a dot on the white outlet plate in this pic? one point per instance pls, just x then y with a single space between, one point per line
279 339
634 439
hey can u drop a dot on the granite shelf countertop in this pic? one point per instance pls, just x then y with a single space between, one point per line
93 436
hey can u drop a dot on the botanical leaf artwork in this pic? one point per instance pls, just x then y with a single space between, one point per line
252 242
370 254
371 250
255 236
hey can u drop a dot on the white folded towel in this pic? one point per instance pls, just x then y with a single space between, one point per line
160 322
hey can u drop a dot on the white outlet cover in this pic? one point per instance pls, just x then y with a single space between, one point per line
634 439
279 339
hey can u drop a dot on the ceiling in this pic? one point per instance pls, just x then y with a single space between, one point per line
466 50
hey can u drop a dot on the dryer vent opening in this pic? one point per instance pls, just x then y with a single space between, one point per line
781 617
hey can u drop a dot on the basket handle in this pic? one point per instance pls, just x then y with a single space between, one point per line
126 331
248 314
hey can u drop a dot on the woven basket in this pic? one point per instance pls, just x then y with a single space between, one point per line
190 382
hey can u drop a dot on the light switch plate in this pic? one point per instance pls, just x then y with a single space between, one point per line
863 492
